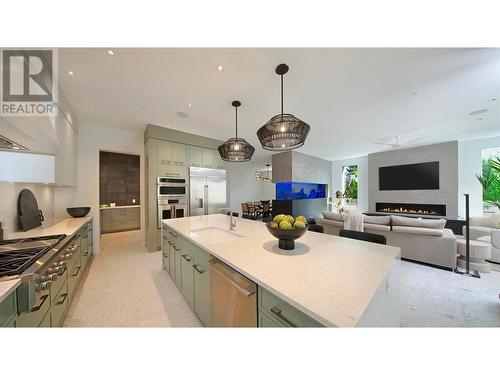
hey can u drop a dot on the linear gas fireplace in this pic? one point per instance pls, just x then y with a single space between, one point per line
412 208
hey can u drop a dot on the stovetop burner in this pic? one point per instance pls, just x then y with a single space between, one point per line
17 261
30 243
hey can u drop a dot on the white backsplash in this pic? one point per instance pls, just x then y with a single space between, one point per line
9 192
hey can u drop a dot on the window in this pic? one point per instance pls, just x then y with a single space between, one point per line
490 179
350 182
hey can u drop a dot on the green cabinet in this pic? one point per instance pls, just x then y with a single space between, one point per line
8 310
273 310
177 264
208 157
59 306
74 277
187 273
195 156
202 285
171 153
165 253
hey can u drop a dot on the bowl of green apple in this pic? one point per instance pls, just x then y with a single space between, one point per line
287 229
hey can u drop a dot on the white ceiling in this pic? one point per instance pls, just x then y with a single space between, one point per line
350 97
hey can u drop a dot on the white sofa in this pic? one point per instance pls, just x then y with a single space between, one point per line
421 240
487 228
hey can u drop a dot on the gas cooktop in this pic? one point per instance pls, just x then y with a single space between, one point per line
17 261
18 255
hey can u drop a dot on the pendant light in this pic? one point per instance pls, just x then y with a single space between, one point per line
283 131
236 149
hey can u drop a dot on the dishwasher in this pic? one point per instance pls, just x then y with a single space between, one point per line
234 298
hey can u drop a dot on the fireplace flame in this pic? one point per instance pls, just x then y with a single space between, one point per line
409 211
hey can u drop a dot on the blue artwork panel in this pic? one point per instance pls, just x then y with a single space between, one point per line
299 190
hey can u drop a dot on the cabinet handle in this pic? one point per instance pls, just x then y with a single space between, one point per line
276 311
77 272
42 300
198 268
173 234
85 254
170 242
177 248
187 257
63 299
165 255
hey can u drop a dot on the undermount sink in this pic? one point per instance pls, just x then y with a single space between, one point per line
215 235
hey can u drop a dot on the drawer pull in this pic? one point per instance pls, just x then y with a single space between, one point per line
42 300
276 311
177 248
187 257
165 255
85 254
198 268
63 299
77 271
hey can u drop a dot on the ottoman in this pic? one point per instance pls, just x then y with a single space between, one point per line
479 252
494 241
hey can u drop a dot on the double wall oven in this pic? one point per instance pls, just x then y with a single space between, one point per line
172 198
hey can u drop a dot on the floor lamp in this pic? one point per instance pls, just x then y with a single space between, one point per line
467 244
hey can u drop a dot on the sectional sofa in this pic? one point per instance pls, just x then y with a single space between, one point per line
422 240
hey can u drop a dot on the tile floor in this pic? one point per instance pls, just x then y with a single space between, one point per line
126 287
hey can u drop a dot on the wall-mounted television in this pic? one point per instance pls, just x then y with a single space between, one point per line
420 176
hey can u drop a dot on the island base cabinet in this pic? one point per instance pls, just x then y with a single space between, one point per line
282 313
59 307
35 317
267 322
46 322
187 273
165 256
202 292
8 310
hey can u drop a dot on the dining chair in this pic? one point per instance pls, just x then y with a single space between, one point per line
363 236
316 228
244 210
252 212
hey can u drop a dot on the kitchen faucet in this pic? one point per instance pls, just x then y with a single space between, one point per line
232 224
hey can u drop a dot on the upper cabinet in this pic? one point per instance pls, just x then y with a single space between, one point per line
195 156
208 157
66 163
171 153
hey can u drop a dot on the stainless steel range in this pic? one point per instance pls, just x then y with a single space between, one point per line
38 262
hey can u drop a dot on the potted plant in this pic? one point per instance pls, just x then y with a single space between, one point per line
490 181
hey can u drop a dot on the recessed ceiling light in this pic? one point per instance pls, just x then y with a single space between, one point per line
190 105
71 73
220 68
84 107
110 52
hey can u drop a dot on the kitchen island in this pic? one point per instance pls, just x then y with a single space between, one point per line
333 281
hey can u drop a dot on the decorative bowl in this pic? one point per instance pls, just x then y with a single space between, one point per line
78 211
286 237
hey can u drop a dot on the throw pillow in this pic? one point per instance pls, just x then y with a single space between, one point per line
381 220
418 222
492 221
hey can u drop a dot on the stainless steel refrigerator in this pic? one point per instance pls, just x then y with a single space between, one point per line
207 191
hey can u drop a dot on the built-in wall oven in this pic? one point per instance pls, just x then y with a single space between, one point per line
172 198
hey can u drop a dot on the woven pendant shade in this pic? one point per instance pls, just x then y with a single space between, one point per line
236 149
283 131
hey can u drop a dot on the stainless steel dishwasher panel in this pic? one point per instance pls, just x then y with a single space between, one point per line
234 298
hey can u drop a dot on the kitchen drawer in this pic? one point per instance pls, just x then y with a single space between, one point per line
73 279
265 321
8 309
165 254
167 170
60 306
47 321
198 252
282 312
57 284
187 284
34 317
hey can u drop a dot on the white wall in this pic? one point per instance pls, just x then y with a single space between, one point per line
243 187
362 163
9 192
470 164
92 139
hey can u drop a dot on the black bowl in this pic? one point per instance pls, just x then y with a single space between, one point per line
286 237
78 211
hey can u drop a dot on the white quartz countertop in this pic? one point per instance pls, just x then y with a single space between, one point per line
332 279
7 287
67 226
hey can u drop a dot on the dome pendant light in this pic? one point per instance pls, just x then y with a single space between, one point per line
283 131
236 149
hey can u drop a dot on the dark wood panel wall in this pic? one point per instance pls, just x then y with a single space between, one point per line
119 178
